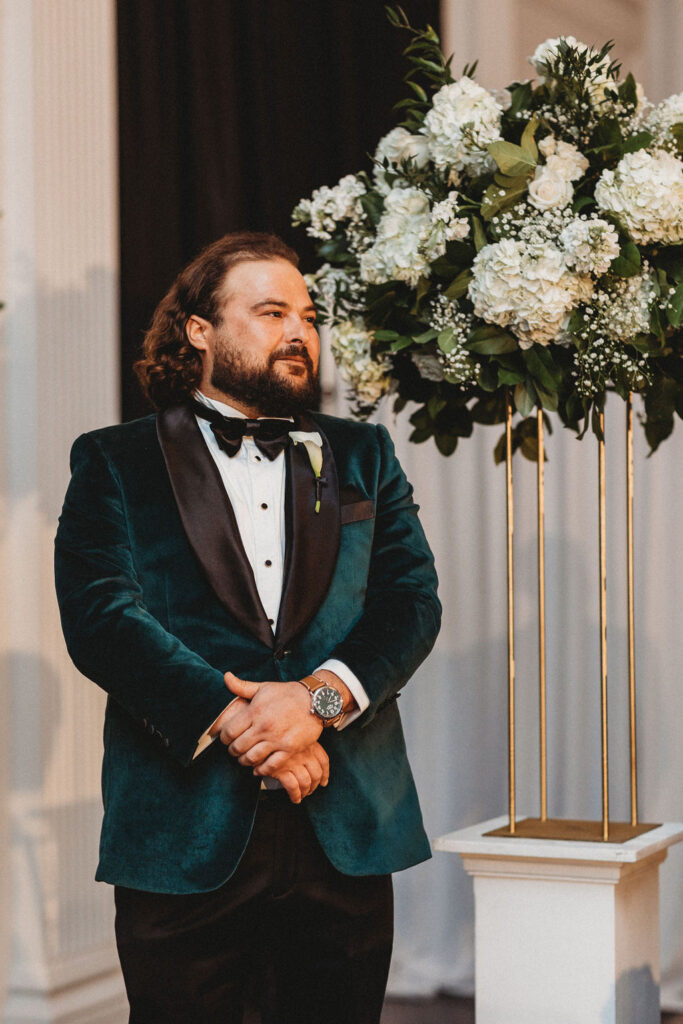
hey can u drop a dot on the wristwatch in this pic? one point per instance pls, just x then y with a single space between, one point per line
327 702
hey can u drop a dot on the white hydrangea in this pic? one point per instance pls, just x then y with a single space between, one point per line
368 378
527 288
337 292
463 121
398 146
661 119
590 245
549 51
645 193
327 207
395 254
445 226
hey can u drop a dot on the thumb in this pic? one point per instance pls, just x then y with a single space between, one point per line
241 687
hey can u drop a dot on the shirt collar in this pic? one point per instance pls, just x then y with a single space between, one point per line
228 410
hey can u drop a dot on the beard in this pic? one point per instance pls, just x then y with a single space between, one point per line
261 386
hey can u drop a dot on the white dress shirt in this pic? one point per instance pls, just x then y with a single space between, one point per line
256 489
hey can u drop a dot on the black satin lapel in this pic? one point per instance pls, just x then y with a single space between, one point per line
312 541
209 520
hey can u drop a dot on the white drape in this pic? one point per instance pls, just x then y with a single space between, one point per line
455 709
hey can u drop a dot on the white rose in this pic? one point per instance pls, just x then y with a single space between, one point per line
548 190
398 146
566 161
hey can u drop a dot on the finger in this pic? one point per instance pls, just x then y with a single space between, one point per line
237 724
304 779
275 762
291 784
242 687
315 771
255 755
246 740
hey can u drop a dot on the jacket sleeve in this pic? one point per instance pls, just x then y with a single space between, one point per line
112 638
402 613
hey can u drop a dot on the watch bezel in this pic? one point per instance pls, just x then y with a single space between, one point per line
315 696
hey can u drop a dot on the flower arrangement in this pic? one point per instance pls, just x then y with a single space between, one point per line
527 241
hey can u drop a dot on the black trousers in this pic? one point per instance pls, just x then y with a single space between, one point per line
288 933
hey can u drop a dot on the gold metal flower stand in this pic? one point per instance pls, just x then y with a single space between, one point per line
567 911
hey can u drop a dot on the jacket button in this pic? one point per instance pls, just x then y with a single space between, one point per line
281 653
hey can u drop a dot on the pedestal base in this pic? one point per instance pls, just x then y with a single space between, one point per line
566 932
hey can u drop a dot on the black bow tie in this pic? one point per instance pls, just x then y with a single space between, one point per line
271 436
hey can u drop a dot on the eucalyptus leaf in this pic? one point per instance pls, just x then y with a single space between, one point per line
446 443
422 339
492 343
385 335
401 343
511 159
435 404
478 234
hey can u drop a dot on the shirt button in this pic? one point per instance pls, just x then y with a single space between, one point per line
271 622
257 458
264 504
268 562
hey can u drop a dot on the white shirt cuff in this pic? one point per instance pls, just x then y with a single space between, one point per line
355 686
205 740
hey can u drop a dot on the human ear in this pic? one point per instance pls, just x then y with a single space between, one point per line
198 331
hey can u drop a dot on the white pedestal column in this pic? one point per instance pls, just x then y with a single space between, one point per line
565 932
58 378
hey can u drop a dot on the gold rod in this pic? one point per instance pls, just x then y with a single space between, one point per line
603 630
541 621
631 616
511 616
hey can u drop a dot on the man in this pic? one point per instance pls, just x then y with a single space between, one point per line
251 593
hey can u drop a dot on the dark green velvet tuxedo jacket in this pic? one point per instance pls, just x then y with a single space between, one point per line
158 600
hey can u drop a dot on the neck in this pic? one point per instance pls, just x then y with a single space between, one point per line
250 411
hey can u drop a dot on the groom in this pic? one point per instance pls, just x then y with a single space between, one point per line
250 584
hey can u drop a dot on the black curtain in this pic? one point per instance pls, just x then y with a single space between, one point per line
230 111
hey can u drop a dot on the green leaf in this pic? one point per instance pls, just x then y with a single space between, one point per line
488 377
641 140
459 285
627 263
490 341
493 201
549 399
420 436
512 159
420 292
674 307
446 443
435 404
419 91
401 343
422 339
478 233
509 377
527 142
446 340
524 400
541 366
385 335
677 132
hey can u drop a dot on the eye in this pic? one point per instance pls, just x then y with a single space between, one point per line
274 312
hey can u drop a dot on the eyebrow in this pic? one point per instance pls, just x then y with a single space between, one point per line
281 304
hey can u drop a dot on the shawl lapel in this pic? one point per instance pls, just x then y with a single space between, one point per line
312 542
209 520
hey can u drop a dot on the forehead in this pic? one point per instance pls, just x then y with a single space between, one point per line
257 280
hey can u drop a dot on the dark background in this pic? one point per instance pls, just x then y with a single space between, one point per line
230 111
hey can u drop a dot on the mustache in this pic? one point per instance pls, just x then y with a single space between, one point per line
300 351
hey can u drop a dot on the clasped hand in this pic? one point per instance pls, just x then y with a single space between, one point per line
270 729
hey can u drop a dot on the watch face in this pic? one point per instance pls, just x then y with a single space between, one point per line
327 702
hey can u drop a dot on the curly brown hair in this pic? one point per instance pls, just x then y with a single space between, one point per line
171 368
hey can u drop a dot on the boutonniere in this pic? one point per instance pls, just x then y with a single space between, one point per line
314 446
